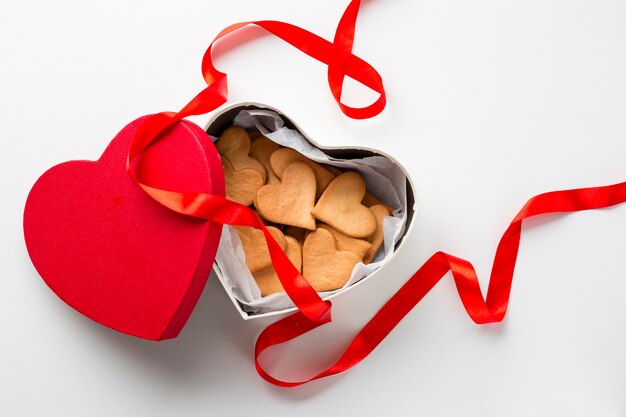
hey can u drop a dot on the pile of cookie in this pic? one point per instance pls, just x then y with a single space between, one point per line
324 218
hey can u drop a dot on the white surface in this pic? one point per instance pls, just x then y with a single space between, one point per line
490 102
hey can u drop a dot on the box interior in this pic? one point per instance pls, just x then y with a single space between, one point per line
225 119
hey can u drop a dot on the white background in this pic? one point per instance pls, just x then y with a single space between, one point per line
490 102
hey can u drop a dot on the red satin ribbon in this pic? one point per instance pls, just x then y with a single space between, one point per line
313 312
481 311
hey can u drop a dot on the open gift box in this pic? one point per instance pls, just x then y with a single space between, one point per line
117 256
384 176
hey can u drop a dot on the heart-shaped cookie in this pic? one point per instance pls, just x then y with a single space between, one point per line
242 185
112 252
261 150
325 267
234 144
370 200
281 159
340 206
255 247
359 247
267 280
289 202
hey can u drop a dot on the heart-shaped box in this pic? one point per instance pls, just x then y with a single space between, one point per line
225 118
120 258
113 253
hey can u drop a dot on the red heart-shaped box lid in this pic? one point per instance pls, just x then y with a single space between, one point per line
113 253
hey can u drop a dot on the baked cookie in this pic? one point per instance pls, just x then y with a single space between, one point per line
290 201
267 279
255 247
242 185
370 200
234 144
284 157
359 247
340 206
261 150
325 267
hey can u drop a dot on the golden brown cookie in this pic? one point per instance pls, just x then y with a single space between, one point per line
255 247
359 247
340 206
284 157
261 150
242 185
370 200
379 211
265 221
235 145
267 279
290 201
323 265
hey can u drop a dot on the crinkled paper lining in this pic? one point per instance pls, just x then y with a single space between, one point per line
383 177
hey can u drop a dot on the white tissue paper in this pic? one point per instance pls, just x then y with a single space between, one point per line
384 178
